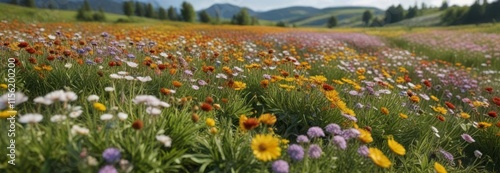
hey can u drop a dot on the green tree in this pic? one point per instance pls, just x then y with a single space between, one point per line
14 2
86 6
128 8
99 16
187 12
475 13
162 14
412 12
376 22
30 3
255 20
242 18
139 9
367 16
172 14
332 22
85 12
444 6
150 11
204 17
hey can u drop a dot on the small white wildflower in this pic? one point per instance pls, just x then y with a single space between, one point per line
122 116
58 118
166 140
106 117
109 89
92 98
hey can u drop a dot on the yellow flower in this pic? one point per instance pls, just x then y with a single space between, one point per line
439 168
99 106
404 116
477 103
268 119
7 113
434 98
361 71
239 85
3 86
483 125
439 109
379 158
213 130
287 87
464 115
266 147
365 136
395 146
415 98
318 79
384 110
210 122
248 123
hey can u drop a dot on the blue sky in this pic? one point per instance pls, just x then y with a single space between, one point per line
263 5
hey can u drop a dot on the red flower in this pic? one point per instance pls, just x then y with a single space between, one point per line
496 100
51 57
427 83
450 105
489 90
162 66
206 107
327 87
111 63
30 50
137 124
441 118
492 114
22 45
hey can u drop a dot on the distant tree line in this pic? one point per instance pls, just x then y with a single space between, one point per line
477 13
187 14
85 13
26 3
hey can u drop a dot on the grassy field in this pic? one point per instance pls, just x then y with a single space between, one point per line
175 97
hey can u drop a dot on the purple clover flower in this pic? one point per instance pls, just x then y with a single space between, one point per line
314 151
280 166
315 132
340 141
111 155
296 152
363 150
108 169
302 139
333 129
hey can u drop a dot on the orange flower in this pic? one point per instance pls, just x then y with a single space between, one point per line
165 91
248 123
209 100
224 100
177 84
264 83
384 110
195 117
268 119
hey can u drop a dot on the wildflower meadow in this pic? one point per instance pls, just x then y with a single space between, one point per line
102 97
